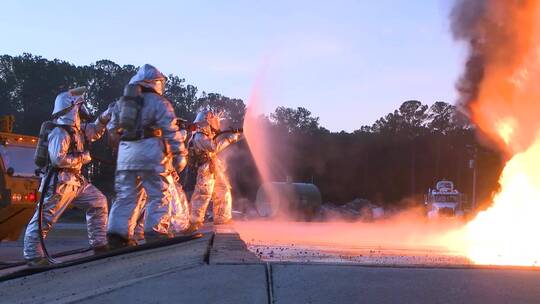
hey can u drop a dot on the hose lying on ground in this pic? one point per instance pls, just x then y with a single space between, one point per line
161 243
5 265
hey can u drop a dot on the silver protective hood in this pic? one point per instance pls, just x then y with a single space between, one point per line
150 77
67 106
200 119
207 117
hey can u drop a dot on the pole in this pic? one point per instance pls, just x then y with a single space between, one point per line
474 187
473 167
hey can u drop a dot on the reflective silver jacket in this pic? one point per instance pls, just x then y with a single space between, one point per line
62 158
149 153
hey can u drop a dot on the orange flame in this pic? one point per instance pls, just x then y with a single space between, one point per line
507 110
506 233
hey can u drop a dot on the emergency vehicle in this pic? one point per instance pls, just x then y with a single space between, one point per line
19 181
444 201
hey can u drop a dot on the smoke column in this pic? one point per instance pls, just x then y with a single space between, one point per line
502 41
500 89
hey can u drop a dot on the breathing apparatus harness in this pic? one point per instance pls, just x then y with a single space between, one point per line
130 120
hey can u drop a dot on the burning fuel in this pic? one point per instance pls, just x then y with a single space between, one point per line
501 92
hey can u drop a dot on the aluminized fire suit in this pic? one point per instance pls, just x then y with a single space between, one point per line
179 209
68 185
145 159
212 182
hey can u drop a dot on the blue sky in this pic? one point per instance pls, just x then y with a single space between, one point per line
349 62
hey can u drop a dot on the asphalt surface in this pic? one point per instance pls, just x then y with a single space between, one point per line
63 237
357 284
219 269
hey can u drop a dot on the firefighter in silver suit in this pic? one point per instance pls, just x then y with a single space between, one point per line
68 153
145 159
212 182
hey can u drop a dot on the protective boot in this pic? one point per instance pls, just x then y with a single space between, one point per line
100 249
154 237
38 262
193 227
117 241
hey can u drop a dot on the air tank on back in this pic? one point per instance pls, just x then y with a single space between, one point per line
298 201
130 105
41 155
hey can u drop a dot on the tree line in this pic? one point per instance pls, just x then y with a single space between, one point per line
393 161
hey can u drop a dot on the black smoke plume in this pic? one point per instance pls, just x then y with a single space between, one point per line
488 29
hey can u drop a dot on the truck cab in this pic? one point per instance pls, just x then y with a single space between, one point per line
18 180
444 201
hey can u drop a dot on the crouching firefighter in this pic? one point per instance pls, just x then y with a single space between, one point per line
212 182
149 140
62 151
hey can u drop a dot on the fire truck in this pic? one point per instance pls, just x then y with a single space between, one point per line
19 182
444 201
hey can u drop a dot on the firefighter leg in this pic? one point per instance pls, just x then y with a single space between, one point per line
157 218
124 213
222 199
55 203
202 194
138 233
179 207
95 204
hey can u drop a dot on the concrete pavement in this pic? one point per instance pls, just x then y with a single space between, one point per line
357 284
221 270
227 284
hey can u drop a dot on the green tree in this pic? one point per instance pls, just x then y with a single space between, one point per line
106 80
297 120
442 117
233 109
31 84
409 120
183 97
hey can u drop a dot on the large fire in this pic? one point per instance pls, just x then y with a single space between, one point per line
506 109
506 233
501 91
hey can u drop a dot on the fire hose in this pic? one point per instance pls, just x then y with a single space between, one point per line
85 259
44 192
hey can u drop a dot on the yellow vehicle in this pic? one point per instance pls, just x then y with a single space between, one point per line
18 180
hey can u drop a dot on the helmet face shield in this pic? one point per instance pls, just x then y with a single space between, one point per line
69 109
84 114
208 118
157 85
150 77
